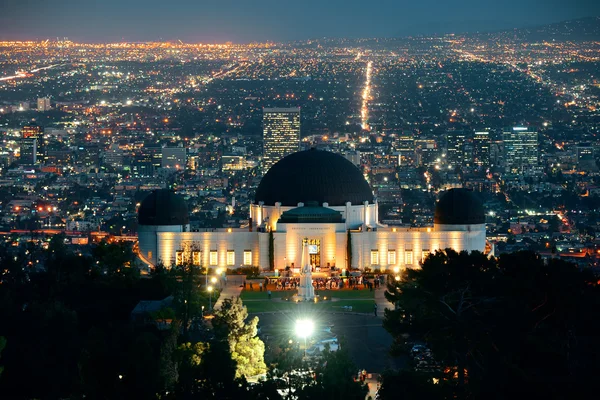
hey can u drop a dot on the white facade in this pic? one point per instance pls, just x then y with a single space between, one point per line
356 216
380 247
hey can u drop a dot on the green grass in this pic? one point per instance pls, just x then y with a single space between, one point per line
362 301
347 294
358 305
258 295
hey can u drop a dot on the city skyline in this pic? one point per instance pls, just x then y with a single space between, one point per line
239 22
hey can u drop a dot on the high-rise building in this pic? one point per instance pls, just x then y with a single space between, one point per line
481 148
520 149
43 104
152 153
455 148
32 145
585 157
89 157
281 134
174 157
404 145
114 157
426 152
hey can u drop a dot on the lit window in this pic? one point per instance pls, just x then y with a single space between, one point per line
213 259
247 257
391 257
179 258
408 257
149 254
230 257
196 258
374 257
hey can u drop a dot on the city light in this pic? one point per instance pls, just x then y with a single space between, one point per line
304 327
366 95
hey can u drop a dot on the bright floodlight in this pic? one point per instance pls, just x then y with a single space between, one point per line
304 327
213 279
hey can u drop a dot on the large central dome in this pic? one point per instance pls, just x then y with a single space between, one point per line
314 175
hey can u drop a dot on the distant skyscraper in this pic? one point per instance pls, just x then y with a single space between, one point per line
520 149
481 148
174 157
114 156
281 134
404 145
455 149
43 104
585 157
32 145
427 152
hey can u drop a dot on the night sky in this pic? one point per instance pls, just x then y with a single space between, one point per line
243 21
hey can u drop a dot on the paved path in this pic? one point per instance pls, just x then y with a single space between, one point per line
373 385
382 302
233 288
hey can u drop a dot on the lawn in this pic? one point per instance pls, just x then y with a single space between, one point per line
258 295
358 305
347 294
361 301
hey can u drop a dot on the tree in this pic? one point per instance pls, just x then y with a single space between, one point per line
191 363
514 319
411 385
207 371
2 346
290 372
168 371
445 297
349 250
247 350
335 378
188 299
271 251
114 257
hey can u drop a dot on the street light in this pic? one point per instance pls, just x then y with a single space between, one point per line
210 289
304 328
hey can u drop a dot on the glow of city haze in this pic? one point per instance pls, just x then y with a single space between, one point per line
240 21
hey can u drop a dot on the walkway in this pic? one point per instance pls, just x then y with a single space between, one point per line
233 288
382 302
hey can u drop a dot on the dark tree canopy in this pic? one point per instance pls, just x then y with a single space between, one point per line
501 327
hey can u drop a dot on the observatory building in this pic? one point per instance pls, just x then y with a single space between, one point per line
312 194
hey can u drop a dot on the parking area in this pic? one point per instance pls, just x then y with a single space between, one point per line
364 337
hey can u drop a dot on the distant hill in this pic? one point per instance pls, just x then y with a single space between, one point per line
576 30
583 29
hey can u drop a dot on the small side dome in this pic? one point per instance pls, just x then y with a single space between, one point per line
163 207
459 207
